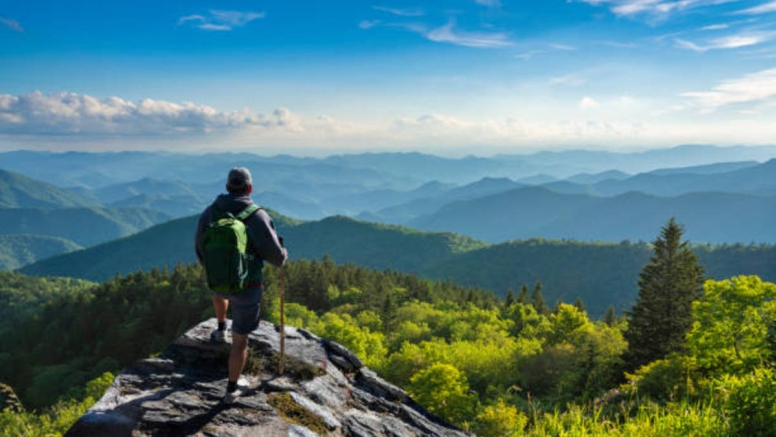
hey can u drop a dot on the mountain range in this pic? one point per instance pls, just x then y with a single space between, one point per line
531 212
602 274
411 212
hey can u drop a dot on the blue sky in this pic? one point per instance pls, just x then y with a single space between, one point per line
447 77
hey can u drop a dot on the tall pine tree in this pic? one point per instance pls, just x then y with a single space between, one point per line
659 321
537 299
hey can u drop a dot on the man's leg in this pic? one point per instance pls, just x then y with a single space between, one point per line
237 356
220 305
245 319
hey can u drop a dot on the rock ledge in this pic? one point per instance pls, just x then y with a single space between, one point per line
326 390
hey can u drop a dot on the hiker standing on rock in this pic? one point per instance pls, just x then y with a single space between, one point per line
234 237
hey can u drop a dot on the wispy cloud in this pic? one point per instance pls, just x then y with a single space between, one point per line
654 9
568 80
11 24
714 27
221 20
563 47
69 113
746 39
529 54
549 48
761 9
450 35
415 12
368 24
617 44
752 88
489 3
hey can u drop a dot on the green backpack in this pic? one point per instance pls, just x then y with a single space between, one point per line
224 247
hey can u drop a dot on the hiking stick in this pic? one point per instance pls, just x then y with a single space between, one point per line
282 281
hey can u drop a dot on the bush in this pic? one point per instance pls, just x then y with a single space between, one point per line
500 420
666 379
749 401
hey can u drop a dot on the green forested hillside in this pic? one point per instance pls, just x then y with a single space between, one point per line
19 250
344 239
74 330
602 274
374 245
18 191
84 226
493 367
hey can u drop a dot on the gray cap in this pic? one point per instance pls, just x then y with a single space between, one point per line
239 179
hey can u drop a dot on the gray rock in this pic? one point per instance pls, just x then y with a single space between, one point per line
180 393
346 360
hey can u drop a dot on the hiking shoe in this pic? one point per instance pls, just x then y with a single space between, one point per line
218 336
231 396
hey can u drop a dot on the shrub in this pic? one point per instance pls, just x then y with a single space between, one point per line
749 401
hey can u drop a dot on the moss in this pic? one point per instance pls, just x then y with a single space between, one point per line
294 413
257 364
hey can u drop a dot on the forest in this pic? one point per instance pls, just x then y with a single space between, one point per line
493 366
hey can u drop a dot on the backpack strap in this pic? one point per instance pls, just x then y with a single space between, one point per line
247 212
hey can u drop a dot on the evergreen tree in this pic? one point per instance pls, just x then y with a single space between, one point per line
522 297
537 300
611 316
580 304
659 321
510 299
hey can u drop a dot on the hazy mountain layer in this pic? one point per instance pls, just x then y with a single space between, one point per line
19 191
540 212
84 226
19 250
403 171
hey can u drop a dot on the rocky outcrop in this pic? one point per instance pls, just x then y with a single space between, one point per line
325 390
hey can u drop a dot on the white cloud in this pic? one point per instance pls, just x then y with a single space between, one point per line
448 34
401 12
529 54
728 42
11 24
588 103
569 80
510 132
219 20
367 24
715 27
653 9
563 47
752 88
70 113
489 3
761 9
617 44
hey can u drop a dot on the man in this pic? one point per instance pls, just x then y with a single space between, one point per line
263 245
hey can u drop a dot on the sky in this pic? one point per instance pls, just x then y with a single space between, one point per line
457 77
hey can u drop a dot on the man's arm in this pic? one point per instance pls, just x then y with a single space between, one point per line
265 239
